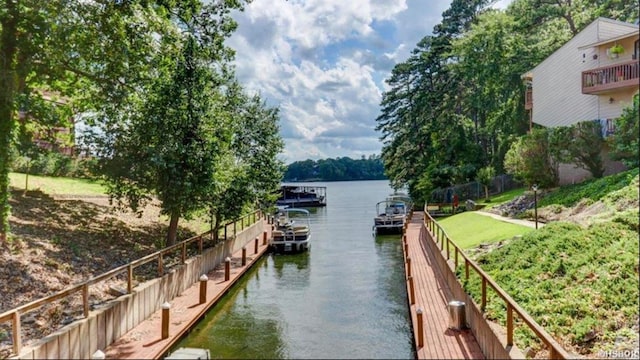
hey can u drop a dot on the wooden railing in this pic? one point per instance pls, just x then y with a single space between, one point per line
556 351
15 314
612 77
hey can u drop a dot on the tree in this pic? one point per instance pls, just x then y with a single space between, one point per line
583 144
533 160
624 142
485 176
88 52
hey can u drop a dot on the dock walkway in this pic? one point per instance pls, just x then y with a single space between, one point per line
145 341
432 295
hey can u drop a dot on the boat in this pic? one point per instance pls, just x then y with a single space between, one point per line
292 231
302 196
391 215
189 353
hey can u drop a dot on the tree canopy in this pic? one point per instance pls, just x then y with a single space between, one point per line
456 105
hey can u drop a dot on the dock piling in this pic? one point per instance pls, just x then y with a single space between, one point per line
244 255
203 288
165 320
227 269
420 330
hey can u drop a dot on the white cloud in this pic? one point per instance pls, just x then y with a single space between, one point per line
323 63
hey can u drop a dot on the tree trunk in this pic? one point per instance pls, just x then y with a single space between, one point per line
8 45
486 192
173 228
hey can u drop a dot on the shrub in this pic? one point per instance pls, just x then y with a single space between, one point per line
624 142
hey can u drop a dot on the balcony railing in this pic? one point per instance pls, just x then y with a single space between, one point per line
612 77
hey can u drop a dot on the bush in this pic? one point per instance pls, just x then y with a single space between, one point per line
624 142
55 164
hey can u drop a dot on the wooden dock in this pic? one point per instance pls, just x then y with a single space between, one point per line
145 340
432 296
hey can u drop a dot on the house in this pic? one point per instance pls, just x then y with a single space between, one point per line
592 77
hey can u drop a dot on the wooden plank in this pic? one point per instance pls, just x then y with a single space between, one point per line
101 327
63 344
53 349
84 340
93 334
108 325
117 320
74 342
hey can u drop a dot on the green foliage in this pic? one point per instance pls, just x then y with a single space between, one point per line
573 281
531 159
624 142
580 144
593 189
484 177
338 169
55 164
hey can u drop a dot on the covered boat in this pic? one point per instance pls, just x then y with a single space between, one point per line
302 196
391 216
292 230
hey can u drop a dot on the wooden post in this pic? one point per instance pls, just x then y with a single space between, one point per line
160 266
420 328
227 269
264 238
412 295
484 294
406 249
244 255
256 246
408 266
85 300
17 333
184 253
165 320
448 252
456 258
509 325
466 268
200 245
203 288
129 279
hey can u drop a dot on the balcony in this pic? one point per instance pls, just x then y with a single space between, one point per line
610 78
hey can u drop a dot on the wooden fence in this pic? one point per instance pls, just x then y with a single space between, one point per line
448 248
230 231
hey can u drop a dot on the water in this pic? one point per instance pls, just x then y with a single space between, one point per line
345 298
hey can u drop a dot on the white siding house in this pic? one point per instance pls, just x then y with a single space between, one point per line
585 80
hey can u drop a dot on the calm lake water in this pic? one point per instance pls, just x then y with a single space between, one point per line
344 298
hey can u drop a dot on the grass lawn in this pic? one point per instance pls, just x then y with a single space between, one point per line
57 185
468 229
502 198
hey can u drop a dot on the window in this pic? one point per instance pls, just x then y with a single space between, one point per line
636 50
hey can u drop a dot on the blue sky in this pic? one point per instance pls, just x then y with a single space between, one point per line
324 62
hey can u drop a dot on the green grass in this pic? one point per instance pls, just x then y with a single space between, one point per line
592 190
579 283
469 229
502 198
57 185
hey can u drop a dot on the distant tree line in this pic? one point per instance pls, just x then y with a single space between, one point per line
338 169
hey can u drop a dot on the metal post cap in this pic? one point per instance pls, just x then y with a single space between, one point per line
204 277
98 355
228 259
419 311
166 306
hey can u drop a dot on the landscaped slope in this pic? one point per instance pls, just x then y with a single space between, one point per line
579 280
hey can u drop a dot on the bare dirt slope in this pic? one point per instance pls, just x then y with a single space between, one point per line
59 242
